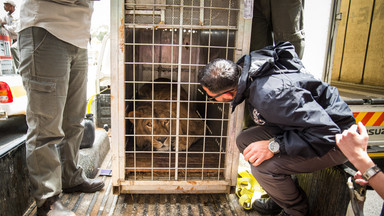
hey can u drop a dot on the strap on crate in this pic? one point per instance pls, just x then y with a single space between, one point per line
248 189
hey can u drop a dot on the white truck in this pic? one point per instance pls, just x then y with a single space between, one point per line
13 98
355 65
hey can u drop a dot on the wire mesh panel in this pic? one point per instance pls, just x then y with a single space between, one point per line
172 134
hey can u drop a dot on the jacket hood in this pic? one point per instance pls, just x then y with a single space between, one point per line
277 59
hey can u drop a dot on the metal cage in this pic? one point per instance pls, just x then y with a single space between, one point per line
166 136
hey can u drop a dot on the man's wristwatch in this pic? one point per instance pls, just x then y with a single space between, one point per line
274 146
371 172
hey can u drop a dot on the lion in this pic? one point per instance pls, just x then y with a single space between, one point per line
163 122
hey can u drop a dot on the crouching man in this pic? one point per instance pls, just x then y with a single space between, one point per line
297 117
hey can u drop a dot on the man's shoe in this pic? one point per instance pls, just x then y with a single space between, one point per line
88 186
53 206
266 206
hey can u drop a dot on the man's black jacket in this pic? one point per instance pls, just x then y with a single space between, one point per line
279 92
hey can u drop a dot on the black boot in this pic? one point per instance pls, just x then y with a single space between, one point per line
88 186
266 206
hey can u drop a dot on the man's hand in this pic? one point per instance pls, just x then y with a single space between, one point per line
354 146
257 152
359 179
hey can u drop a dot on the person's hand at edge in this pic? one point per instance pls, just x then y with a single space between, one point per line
354 146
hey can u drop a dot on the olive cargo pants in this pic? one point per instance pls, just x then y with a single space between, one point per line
55 77
276 21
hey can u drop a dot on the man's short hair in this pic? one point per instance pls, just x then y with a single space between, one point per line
219 75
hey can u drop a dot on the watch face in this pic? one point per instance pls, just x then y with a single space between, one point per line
274 146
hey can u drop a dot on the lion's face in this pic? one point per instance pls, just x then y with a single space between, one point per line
153 124
145 126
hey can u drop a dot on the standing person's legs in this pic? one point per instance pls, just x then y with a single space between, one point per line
287 21
44 67
261 25
74 113
15 56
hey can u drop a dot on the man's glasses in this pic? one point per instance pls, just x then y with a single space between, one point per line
214 98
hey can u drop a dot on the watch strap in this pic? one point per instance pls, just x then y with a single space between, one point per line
371 172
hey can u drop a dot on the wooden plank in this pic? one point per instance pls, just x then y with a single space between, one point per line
71 199
117 92
233 153
121 206
373 73
82 203
339 47
111 205
108 199
174 187
97 199
356 40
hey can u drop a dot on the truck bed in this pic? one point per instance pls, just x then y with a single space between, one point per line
106 203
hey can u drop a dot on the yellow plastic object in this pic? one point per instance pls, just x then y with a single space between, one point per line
90 100
248 189
89 104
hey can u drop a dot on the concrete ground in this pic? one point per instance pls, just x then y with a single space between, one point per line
373 204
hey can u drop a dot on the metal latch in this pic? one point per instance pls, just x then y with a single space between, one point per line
339 16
